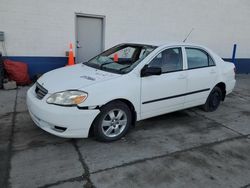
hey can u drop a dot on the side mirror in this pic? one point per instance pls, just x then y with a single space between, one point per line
149 71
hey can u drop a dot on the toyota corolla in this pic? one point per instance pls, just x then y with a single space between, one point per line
125 84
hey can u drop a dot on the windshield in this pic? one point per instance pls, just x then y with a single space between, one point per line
121 58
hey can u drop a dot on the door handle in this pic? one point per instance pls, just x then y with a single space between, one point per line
181 76
78 44
212 71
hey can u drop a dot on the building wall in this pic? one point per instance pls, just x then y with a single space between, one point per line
44 28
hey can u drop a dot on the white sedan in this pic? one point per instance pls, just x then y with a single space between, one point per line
127 83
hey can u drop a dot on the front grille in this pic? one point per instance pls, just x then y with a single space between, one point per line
40 91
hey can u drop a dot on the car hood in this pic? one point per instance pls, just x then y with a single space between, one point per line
73 77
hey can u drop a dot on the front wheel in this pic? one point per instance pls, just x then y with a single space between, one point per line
113 122
213 100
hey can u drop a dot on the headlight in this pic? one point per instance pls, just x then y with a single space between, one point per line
67 98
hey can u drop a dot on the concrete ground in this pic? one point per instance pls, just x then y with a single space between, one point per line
189 148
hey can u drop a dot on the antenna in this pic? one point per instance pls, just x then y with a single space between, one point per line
188 35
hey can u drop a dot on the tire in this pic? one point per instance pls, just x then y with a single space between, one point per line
113 122
213 100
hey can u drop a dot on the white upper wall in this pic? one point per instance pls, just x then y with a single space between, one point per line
46 27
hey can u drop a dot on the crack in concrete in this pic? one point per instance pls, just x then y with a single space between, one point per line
78 179
86 174
236 93
23 111
5 114
205 117
171 154
41 146
246 186
7 182
17 112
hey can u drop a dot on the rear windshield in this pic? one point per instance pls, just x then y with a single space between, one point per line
120 59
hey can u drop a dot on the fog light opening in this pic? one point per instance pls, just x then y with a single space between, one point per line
59 129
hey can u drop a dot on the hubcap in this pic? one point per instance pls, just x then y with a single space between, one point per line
114 123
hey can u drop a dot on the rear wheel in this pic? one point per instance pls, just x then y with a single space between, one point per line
213 100
113 122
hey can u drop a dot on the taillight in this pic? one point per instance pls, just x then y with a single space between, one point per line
234 72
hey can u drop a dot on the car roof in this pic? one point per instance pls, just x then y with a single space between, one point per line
181 44
168 44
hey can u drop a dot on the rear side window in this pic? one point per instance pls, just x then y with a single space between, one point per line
211 62
197 58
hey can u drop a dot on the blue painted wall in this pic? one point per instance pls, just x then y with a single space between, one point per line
40 65
242 65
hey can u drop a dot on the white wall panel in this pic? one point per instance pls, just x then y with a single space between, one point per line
45 27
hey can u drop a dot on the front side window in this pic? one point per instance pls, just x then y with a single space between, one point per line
121 58
169 60
197 58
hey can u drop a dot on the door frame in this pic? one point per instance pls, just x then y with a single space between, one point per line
89 16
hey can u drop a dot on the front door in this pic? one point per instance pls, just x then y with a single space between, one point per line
164 93
89 39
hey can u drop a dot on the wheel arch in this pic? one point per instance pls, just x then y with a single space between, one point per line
125 101
222 86
131 107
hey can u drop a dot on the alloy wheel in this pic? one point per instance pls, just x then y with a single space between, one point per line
114 122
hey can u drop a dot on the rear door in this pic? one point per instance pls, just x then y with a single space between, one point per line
164 93
202 76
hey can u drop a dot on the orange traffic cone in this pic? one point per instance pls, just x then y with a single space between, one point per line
71 60
116 58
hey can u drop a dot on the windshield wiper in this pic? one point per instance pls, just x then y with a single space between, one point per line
124 68
101 66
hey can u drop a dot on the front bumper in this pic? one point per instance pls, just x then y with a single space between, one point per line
67 122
